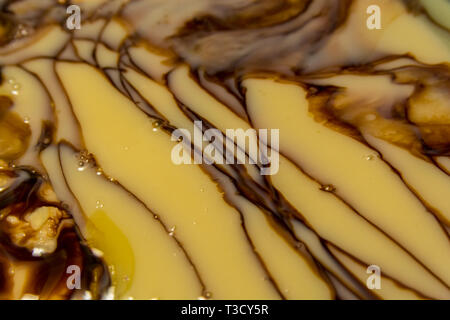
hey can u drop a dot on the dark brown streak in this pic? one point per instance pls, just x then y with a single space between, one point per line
358 213
258 201
83 143
361 263
368 221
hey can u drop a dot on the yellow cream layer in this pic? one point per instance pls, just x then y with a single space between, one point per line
176 232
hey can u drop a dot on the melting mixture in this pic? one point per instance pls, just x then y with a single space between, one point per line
92 205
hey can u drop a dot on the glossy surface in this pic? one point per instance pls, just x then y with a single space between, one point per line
362 164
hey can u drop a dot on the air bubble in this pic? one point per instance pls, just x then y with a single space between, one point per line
299 245
98 205
14 86
172 231
328 188
98 253
87 295
156 124
22 31
81 166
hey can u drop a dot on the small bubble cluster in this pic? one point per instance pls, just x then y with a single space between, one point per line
15 87
98 205
22 31
84 159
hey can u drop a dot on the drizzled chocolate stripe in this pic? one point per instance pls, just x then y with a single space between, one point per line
266 196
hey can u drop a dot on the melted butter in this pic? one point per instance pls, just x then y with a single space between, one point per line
335 194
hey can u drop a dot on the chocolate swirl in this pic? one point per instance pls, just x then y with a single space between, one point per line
365 129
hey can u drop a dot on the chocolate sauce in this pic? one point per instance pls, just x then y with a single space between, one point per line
223 43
